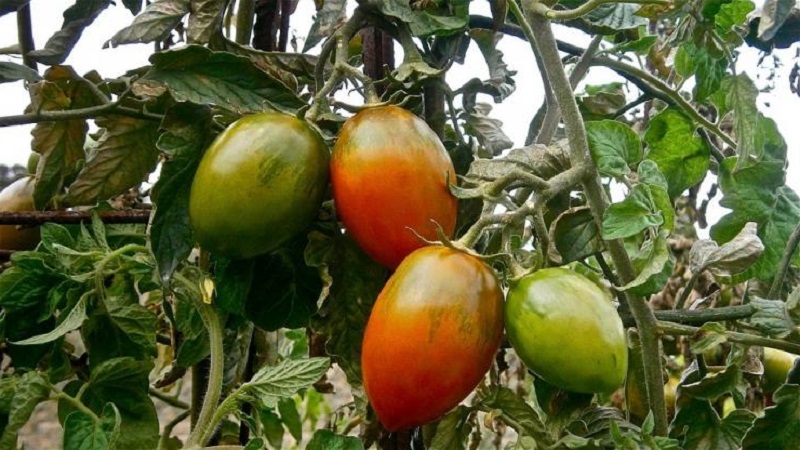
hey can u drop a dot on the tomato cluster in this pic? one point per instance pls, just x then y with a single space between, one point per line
389 174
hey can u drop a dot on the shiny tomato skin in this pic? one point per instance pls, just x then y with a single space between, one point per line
18 197
389 174
260 182
431 336
566 330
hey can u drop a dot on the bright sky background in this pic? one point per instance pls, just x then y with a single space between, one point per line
515 112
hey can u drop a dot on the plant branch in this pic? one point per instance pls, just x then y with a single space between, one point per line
579 156
81 113
732 336
786 260
163 440
74 217
77 404
699 317
687 290
25 35
591 5
168 399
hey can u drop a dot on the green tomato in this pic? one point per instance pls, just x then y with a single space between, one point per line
777 364
260 183
566 330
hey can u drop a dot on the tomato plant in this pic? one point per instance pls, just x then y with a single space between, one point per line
447 306
565 329
259 183
213 231
389 174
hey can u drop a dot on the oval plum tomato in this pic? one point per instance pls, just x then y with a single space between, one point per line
566 330
17 197
431 337
389 175
260 182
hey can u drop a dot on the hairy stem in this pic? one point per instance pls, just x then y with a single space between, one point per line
81 113
203 428
579 156
73 217
786 260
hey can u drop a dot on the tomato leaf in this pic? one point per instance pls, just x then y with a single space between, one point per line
653 265
354 282
291 418
30 389
199 75
120 330
614 147
430 20
452 430
757 193
703 428
514 412
779 427
72 321
710 335
772 318
204 19
154 24
124 156
256 444
773 14
328 440
650 175
574 236
327 19
732 258
84 432
195 345
186 136
501 82
680 153
76 18
284 290
487 130
10 71
272 383
634 214
123 382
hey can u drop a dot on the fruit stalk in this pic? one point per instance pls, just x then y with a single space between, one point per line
579 156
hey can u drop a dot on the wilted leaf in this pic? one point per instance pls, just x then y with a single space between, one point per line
500 77
542 161
429 20
154 24
205 18
514 411
199 75
773 15
706 430
602 101
757 193
327 19
734 257
487 130
10 71
771 318
77 17
710 335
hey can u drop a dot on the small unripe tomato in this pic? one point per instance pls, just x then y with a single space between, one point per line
431 336
260 183
18 197
566 330
389 174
